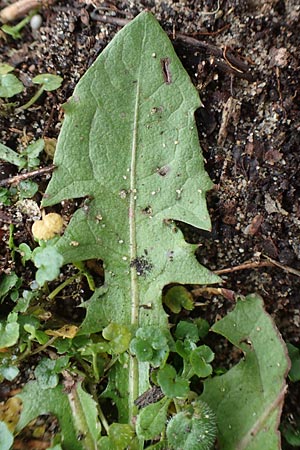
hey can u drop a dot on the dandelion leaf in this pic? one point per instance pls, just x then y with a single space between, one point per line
129 145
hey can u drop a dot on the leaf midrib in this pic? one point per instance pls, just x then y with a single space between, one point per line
132 213
133 373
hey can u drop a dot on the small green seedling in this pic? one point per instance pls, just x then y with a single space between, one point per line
48 261
27 158
9 83
48 83
14 31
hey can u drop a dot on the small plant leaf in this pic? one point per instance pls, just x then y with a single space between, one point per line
5 68
193 429
294 354
179 297
248 398
118 336
9 372
48 261
9 155
200 358
172 384
7 283
10 85
9 331
50 82
129 142
187 331
119 437
6 437
150 344
151 420
27 189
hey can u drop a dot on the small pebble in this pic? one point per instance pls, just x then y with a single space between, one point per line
36 22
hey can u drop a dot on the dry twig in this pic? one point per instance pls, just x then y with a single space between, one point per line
24 176
20 8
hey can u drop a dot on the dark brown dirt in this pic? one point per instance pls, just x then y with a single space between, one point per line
246 67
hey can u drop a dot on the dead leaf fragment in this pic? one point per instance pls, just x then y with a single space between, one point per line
10 412
67 331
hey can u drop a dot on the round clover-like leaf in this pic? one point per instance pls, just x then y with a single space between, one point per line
142 349
187 331
45 375
179 297
48 261
172 384
10 85
150 344
193 429
119 337
200 358
50 82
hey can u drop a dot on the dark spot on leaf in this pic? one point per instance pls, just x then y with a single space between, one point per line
163 171
156 109
170 255
142 265
147 210
165 62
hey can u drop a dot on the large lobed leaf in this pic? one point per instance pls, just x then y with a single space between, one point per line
129 142
248 398
75 410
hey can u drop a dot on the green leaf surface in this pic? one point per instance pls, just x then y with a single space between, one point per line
9 372
151 420
7 283
9 155
10 85
172 384
150 344
193 429
129 142
200 358
119 337
5 68
48 260
187 331
76 412
248 398
119 437
9 331
6 437
294 354
50 82
179 297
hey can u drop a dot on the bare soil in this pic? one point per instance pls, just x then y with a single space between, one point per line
245 61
